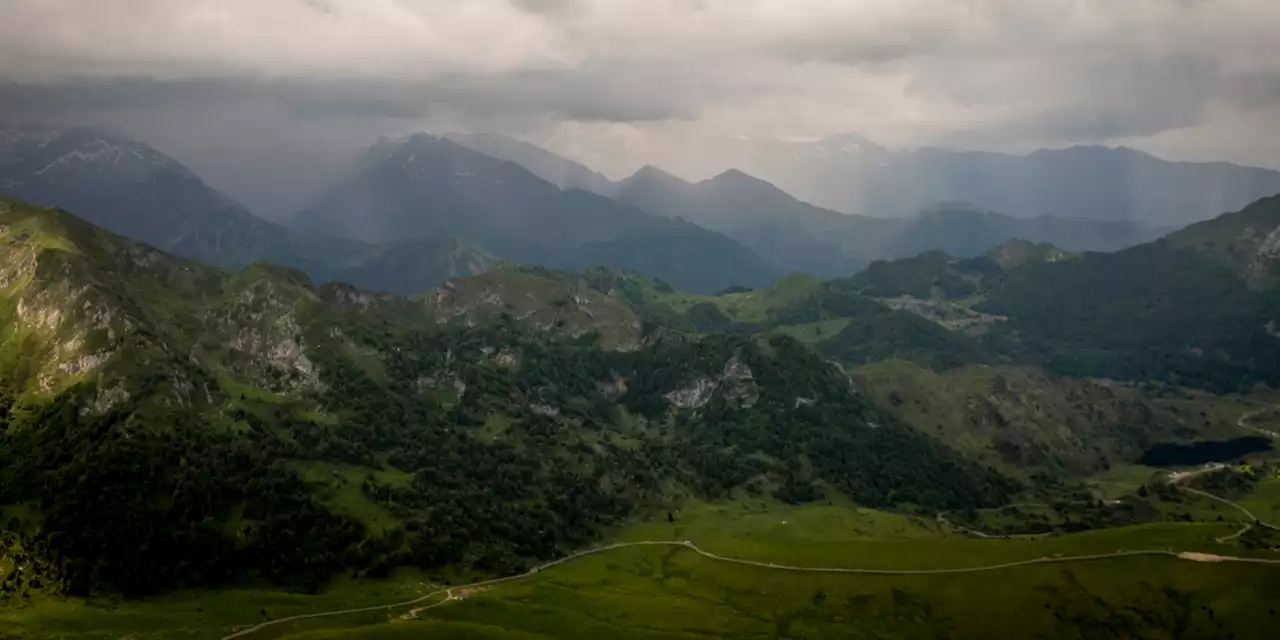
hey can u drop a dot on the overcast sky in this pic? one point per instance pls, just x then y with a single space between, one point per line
617 82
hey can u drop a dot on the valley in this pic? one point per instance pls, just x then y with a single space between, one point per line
618 589
636 427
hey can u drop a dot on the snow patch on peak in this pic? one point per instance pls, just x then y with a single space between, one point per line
46 152
101 154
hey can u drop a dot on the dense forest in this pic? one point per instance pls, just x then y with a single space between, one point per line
167 425
140 499
1146 313
222 409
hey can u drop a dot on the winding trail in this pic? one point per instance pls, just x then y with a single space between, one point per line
1248 524
1175 479
1179 478
1192 556
1242 422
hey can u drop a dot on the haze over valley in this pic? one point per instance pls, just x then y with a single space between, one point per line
567 319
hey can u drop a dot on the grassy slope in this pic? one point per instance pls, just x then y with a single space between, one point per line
1264 502
338 487
672 593
1241 240
534 299
1023 417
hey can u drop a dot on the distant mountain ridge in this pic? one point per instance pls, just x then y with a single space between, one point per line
423 186
798 236
851 174
553 168
1077 182
177 426
132 189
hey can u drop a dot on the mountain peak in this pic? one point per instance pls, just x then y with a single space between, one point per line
649 171
651 175
430 187
552 167
745 184
51 154
736 176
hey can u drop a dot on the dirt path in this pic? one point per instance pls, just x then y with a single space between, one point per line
1185 555
1243 421
1178 478
1248 524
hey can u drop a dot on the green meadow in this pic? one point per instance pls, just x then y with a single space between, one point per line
672 592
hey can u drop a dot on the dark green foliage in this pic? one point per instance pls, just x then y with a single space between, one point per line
1147 313
898 334
1228 482
805 413
875 332
833 299
706 318
135 503
927 274
139 499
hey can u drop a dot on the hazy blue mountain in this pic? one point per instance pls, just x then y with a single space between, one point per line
850 174
136 191
424 187
553 168
795 235
130 188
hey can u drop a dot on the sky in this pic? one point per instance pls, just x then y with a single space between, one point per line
298 85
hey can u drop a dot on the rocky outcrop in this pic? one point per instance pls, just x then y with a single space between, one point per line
696 394
1265 255
735 381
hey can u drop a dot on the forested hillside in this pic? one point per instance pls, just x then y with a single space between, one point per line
166 424
1186 310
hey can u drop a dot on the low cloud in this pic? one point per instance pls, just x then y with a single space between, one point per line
1001 74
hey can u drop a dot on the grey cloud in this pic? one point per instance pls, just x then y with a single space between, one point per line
319 5
1256 91
1087 100
549 8
581 95
993 73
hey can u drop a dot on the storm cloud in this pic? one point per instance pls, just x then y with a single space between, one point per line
623 82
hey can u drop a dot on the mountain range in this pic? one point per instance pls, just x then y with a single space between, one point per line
174 424
798 236
802 237
427 187
130 188
852 174
511 416
420 209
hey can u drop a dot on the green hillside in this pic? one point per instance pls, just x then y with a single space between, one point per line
671 592
1025 419
1245 241
171 425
